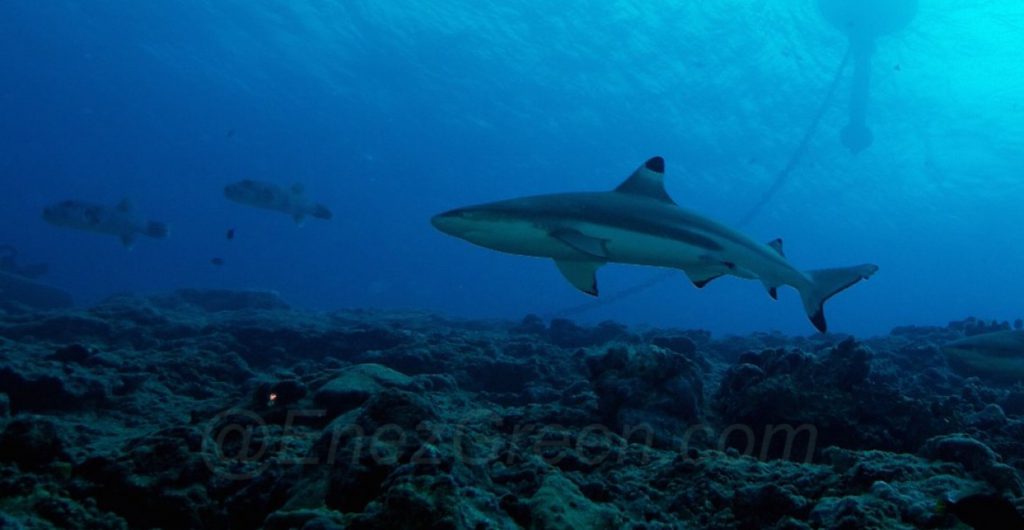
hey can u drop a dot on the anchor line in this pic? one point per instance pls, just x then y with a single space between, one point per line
783 176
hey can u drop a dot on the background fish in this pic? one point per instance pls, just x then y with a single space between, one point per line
120 221
269 196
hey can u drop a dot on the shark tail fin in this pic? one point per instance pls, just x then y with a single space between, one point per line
321 212
826 283
157 230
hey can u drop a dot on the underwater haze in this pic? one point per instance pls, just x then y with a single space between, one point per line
390 112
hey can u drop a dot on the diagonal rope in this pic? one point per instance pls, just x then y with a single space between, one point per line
782 177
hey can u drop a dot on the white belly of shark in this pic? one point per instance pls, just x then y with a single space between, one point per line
638 223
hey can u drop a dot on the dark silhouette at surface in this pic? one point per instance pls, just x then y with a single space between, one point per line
862 21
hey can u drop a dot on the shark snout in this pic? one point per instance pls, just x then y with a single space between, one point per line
451 222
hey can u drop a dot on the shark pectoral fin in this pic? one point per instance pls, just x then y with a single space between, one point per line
581 274
590 246
701 277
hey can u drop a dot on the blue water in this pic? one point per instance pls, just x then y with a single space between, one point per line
392 111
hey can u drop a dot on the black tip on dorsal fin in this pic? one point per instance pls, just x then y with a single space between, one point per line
647 181
656 164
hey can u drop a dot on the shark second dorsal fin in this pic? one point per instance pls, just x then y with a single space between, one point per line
647 181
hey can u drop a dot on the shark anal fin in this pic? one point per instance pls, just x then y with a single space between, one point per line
700 278
648 181
581 274
590 246
772 288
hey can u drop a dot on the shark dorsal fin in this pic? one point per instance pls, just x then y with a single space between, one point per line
777 245
648 181
125 205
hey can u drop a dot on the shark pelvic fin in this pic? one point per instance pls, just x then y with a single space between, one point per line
648 181
717 263
581 274
701 278
591 246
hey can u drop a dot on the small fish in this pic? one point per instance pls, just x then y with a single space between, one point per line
272 197
120 220
217 261
983 511
231 233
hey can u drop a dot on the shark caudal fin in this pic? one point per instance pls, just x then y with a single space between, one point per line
824 284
